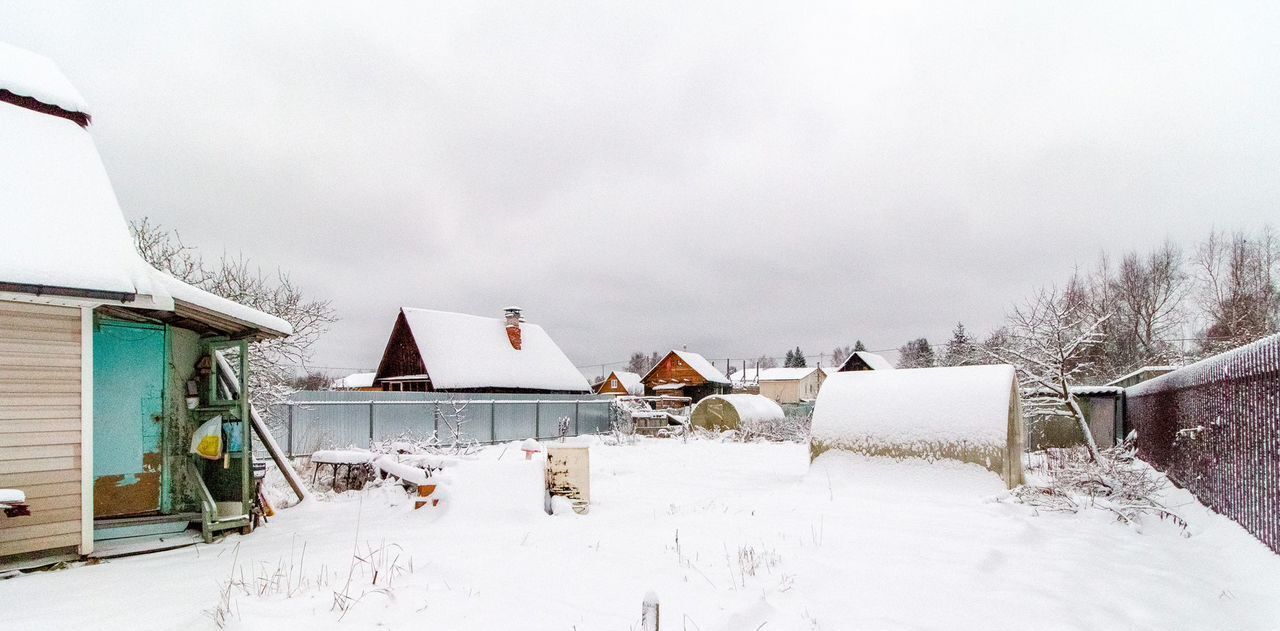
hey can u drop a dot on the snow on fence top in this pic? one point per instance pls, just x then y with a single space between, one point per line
729 411
467 351
25 73
967 413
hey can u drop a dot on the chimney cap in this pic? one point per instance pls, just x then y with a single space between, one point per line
515 309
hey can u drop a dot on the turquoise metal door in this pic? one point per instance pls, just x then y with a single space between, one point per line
128 423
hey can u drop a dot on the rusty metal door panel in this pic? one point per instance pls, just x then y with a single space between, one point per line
128 405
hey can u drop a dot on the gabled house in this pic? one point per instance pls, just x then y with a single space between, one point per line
685 374
790 385
439 351
862 360
107 366
621 382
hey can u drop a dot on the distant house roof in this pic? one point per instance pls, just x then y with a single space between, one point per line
630 381
355 380
698 364
780 374
463 351
872 360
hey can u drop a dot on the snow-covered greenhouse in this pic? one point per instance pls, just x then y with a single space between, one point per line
966 413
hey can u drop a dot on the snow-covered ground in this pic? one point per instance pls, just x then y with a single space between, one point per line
731 537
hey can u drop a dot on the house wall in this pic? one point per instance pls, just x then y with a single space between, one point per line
792 391
672 370
40 424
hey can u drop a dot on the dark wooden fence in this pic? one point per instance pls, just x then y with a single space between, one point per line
1214 428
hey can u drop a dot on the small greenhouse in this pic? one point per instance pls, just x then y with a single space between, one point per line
966 413
731 411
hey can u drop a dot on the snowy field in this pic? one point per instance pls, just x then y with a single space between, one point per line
731 537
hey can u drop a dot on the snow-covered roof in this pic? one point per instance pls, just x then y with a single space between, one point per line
1157 369
355 380
939 405
630 381
750 407
185 295
63 231
783 374
467 351
874 361
701 366
25 73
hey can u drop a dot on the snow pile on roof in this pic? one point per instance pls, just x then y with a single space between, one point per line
630 381
876 362
25 73
968 413
701 366
62 224
355 380
466 351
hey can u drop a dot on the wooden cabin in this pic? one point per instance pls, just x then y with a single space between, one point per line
439 351
621 382
685 374
107 365
862 360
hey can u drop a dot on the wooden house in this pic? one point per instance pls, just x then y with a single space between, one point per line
621 382
685 374
439 351
107 365
862 360
790 385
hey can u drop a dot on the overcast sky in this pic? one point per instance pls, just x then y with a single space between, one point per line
738 179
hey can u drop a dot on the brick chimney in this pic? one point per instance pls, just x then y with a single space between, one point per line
513 320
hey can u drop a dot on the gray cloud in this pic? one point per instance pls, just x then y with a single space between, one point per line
737 178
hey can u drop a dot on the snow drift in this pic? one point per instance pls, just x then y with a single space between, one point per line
967 413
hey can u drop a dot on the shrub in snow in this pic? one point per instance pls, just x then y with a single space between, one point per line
1070 480
966 413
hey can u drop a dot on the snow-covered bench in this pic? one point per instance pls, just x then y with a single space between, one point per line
352 459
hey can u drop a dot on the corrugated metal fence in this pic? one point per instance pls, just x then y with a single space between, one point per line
311 421
1214 428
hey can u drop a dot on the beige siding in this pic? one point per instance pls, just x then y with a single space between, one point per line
40 424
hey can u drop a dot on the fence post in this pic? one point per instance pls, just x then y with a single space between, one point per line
576 429
493 425
649 613
435 420
289 437
537 418
371 422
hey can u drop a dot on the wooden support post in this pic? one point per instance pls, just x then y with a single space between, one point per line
649 613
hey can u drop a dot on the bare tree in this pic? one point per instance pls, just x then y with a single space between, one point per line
271 362
1049 340
1238 297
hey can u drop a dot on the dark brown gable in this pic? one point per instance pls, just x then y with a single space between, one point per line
79 118
854 363
401 356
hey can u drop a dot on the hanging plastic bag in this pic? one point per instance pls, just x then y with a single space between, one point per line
207 441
